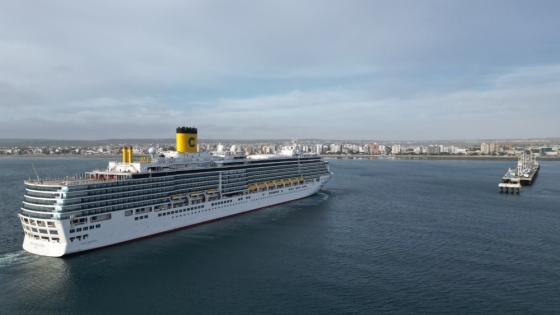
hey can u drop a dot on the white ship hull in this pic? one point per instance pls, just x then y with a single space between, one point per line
122 228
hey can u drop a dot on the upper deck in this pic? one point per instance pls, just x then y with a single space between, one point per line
149 181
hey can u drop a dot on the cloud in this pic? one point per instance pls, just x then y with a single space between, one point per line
496 112
354 69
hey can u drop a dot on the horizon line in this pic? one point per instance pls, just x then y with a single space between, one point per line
287 139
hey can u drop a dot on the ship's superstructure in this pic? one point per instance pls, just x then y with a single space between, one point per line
138 197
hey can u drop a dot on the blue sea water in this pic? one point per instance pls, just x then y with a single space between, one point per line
383 237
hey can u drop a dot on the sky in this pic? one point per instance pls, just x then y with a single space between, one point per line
340 70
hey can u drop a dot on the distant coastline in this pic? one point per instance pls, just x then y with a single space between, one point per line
431 157
53 156
327 156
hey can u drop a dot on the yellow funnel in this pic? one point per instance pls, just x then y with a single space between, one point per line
124 154
186 139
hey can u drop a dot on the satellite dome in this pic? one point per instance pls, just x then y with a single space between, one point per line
152 150
220 147
233 148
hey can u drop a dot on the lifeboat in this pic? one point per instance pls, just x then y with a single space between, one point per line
270 184
279 183
196 196
212 192
261 185
301 179
294 180
252 187
287 181
178 198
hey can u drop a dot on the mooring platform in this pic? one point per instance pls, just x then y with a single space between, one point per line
525 173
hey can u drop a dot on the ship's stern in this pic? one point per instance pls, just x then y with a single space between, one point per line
44 248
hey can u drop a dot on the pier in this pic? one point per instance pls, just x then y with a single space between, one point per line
526 171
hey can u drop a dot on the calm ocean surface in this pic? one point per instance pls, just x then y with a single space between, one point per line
384 237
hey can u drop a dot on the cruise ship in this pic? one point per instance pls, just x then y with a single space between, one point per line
138 197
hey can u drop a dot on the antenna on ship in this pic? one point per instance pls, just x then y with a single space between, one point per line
38 179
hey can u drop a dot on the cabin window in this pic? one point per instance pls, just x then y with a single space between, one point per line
55 232
98 225
78 229
72 231
101 217
78 221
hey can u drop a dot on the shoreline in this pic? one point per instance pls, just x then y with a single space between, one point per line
430 157
76 156
334 157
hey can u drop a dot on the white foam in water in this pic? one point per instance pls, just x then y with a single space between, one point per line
15 258
315 201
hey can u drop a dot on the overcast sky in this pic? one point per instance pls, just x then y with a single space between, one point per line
380 70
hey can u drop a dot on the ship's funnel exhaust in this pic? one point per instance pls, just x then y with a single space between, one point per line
186 139
124 154
130 155
127 155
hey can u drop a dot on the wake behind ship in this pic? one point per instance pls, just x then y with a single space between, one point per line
135 198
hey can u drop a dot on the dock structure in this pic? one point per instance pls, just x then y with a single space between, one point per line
523 175
510 184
